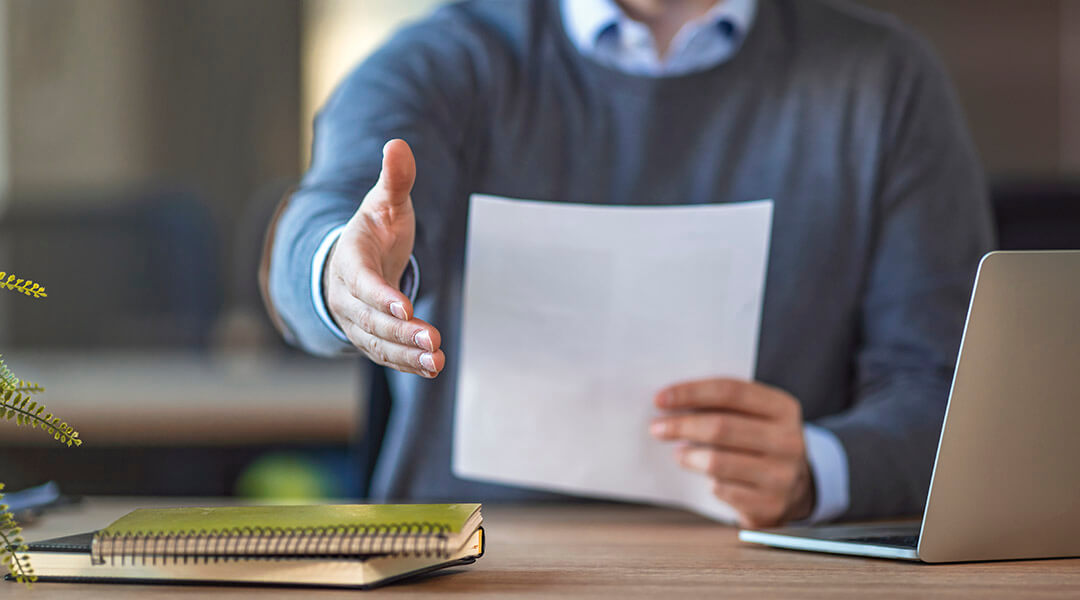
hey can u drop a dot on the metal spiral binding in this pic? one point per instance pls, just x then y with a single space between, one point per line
250 543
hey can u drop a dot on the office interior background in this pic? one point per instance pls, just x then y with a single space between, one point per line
144 145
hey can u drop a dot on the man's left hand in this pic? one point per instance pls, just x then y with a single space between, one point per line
748 438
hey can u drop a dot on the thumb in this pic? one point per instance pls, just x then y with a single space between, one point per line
397 176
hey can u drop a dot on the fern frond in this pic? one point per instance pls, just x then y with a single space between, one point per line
22 286
29 387
11 544
8 380
25 411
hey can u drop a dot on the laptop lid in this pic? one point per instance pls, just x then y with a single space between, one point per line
1006 483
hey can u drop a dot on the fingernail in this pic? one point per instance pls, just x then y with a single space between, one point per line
660 428
398 310
427 362
664 399
423 340
694 459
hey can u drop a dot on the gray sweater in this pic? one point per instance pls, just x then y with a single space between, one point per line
839 114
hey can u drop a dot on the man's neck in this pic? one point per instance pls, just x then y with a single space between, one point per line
665 18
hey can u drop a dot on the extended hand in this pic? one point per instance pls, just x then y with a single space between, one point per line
364 269
748 438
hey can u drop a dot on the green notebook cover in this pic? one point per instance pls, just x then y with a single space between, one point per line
451 518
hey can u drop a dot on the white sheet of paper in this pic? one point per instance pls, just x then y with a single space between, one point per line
576 315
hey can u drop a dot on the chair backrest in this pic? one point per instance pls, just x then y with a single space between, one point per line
1037 216
123 269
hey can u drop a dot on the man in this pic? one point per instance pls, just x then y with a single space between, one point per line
839 114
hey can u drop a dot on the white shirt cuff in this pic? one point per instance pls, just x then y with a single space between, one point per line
829 467
317 265
410 281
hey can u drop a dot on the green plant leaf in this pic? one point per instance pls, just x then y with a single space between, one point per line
11 544
8 380
22 286
15 406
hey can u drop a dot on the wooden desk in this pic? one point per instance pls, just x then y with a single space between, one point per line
615 551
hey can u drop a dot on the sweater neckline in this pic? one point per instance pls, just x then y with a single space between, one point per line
664 84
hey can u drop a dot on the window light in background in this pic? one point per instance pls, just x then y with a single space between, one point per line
336 35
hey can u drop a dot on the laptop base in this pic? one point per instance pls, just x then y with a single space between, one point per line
894 540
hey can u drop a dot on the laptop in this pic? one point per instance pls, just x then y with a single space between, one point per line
1006 481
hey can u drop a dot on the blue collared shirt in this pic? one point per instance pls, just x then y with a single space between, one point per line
602 31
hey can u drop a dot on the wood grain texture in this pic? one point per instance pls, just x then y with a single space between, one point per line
616 551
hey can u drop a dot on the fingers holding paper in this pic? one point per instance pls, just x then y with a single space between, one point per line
747 438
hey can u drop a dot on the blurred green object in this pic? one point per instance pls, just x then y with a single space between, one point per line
288 476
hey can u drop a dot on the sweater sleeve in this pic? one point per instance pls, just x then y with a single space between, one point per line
418 87
933 224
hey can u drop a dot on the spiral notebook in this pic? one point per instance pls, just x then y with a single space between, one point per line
324 545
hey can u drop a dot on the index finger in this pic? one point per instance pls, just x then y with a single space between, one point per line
723 394
369 286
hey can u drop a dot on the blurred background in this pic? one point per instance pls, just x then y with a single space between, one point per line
143 146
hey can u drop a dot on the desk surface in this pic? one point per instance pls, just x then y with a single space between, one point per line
614 551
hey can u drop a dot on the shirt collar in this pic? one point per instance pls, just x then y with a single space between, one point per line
587 20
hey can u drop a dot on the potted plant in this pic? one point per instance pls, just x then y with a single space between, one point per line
18 403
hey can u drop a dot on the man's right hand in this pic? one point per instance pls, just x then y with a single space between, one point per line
363 273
